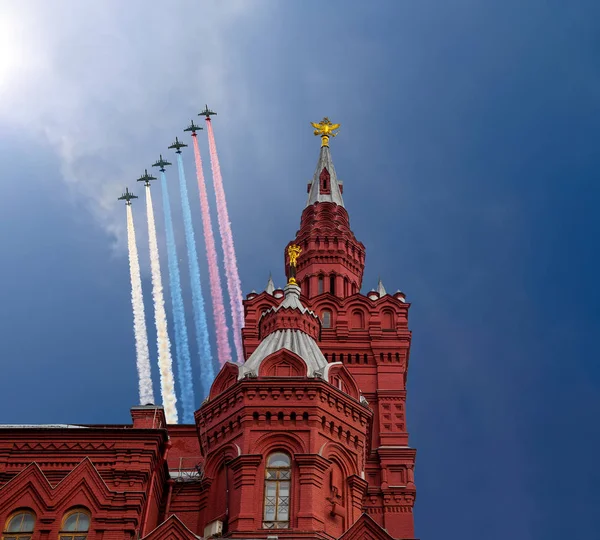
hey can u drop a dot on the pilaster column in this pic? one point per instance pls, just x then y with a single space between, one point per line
243 495
206 482
339 286
310 508
358 488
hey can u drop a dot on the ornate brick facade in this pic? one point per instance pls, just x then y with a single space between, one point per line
307 440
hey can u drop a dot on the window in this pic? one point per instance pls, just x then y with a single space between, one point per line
75 525
325 177
358 319
332 283
19 526
388 320
320 288
326 318
278 476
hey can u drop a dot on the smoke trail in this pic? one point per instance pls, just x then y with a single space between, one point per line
139 318
165 362
182 348
223 349
207 370
231 270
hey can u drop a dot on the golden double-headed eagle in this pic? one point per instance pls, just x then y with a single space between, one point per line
325 128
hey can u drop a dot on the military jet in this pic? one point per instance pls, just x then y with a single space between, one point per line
206 112
193 128
146 178
177 145
127 196
162 163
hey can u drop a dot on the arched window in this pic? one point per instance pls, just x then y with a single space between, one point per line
332 283
388 320
324 177
278 476
75 525
326 318
320 287
19 526
358 319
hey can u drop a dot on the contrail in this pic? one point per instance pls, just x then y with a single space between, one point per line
139 317
182 347
207 370
165 362
221 330
231 270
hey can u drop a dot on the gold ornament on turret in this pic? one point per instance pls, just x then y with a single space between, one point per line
293 254
325 129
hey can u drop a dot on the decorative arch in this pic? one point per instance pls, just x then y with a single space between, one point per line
227 377
338 453
286 442
283 363
338 375
217 459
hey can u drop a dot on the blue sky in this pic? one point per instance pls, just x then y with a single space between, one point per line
469 151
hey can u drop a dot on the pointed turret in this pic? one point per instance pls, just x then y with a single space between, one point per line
325 186
270 285
333 259
381 289
290 326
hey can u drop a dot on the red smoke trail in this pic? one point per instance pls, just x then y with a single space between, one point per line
223 349
234 286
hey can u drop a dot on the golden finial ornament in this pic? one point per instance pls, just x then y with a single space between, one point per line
293 253
325 128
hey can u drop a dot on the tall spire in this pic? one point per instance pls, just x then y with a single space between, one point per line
325 186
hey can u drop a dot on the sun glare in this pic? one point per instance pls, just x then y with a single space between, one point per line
10 52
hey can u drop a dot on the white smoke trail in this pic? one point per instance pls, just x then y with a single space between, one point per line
165 362
139 317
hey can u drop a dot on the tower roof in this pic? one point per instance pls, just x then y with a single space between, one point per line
381 289
325 186
295 338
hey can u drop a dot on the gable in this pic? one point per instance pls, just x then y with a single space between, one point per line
283 363
364 527
83 486
171 529
227 377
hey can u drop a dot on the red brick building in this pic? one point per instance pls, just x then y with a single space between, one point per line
306 440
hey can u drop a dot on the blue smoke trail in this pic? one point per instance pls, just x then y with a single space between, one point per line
207 370
182 348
